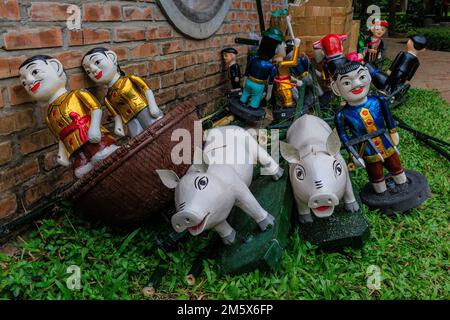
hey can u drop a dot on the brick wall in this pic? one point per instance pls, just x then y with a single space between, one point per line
175 67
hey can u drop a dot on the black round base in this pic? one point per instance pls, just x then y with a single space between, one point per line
397 199
245 112
283 114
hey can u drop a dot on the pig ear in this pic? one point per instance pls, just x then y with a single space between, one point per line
333 143
289 153
168 178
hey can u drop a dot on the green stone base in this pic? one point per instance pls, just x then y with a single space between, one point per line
342 229
255 249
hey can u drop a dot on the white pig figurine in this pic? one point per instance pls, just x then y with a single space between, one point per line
205 196
318 172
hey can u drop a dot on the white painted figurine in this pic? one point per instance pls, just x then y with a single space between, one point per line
129 99
205 196
73 117
318 172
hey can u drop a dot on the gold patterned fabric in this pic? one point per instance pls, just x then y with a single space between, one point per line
69 118
283 83
127 97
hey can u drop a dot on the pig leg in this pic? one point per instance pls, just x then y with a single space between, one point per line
248 203
350 202
304 213
269 164
226 232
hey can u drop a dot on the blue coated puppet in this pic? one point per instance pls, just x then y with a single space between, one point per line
260 69
368 121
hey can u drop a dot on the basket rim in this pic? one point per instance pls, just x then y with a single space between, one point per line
104 168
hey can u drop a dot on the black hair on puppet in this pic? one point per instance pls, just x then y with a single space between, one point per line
267 48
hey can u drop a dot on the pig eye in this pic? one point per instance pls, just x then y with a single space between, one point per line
300 172
337 169
201 183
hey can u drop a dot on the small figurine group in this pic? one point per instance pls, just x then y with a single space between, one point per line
371 44
74 117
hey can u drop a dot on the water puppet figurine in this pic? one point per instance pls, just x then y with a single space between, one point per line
330 51
234 71
73 117
374 45
406 63
129 98
368 131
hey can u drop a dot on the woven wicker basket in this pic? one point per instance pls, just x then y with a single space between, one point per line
124 188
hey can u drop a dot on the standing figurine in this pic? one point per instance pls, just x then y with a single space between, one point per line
260 70
330 51
283 82
374 44
73 117
234 71
129 99
406 63
369 119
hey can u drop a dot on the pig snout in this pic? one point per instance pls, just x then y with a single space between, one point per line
188 220
323 204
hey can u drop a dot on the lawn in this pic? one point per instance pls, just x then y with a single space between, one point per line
411 250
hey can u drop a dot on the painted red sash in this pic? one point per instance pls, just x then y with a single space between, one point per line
78 123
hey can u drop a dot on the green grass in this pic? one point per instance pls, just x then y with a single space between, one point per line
411 250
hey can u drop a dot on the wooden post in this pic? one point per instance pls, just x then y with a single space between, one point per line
392 16
262 25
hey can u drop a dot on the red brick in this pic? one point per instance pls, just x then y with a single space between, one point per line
18 95
78 81
47 187
5 152
102 12
140 69
161 66
162 32
122 52
187 89
76 38
16 122
144 51
48 11
172 79
70 59
194 73
208 56
33 38
50 160
166 96
89 36
129 34
36 141
137 13
9 10
185 61
171 47
92 36
18 175
8 205
9 67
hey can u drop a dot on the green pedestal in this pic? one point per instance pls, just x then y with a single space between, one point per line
343 229
255 249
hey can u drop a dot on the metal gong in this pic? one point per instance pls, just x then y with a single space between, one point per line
198 19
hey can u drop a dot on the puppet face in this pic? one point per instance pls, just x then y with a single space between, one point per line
378 31
101 67
229 58
43 79
353 86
